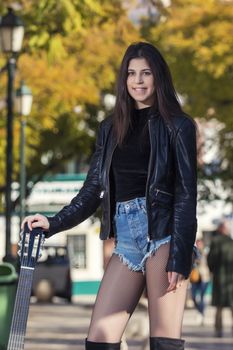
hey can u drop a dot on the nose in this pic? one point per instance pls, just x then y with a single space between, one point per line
138 78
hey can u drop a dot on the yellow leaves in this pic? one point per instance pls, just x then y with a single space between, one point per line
214 47
39 40
72 50
203 28
95 7
73 20
102 58
57 51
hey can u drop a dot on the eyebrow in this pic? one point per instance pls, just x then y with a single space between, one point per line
131 69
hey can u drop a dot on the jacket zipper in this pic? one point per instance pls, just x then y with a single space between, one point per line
169 194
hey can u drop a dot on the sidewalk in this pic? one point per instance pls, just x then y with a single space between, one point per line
64 327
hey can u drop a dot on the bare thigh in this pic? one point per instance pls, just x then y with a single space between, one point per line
165 309
117 298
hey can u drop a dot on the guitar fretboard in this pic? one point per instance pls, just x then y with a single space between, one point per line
21 308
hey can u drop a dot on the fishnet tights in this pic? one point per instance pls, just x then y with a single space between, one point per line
120 292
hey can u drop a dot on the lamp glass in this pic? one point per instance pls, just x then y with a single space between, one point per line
23 104
12 39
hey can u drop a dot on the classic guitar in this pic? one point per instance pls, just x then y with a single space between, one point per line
30 250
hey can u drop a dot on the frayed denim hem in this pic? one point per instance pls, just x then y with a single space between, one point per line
153 251
128 263
150 252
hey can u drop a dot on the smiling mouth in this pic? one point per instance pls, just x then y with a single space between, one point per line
139 89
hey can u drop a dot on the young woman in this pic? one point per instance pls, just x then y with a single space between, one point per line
143 173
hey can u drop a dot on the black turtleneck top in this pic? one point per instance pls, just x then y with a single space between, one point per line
130 161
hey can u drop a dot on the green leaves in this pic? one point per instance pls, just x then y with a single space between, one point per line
71 53
196 39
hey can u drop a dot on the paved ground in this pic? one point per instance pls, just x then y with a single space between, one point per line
62 326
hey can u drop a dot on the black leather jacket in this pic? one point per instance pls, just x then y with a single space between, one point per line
171 188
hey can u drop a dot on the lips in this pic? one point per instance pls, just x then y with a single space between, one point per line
139 89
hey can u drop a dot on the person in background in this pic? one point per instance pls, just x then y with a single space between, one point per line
143 173
220 262
200 280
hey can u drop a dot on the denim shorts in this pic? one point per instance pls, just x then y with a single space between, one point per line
132 244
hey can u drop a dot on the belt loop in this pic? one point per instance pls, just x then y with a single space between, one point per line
142 203
138 203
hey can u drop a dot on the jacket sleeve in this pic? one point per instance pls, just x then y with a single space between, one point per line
184 224
85 203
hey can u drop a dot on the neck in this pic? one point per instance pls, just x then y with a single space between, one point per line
142 106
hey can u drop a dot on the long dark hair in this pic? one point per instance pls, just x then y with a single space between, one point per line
166 101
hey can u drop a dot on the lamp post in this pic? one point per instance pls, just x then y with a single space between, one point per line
11 38
23 105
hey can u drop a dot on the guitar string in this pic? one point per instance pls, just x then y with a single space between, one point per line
28 276
18 343
13 331
25 295
17 312
25 280
28 287
22 293
20 311
14 317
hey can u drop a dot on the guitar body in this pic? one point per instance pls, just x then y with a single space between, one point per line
30 245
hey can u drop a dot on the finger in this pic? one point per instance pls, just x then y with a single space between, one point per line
179 279
37 217
28 220
24 221
38 223
171 287
173 276
169 275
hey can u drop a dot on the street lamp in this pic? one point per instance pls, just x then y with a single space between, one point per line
11 32
11 38
23 105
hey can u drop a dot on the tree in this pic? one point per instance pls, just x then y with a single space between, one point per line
196 39
71 53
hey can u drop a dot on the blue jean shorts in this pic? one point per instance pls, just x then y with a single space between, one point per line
132 243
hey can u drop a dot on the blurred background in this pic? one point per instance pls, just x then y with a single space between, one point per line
57 82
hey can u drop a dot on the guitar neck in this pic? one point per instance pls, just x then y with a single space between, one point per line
21 308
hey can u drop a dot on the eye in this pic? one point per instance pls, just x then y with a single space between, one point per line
147 72
131 73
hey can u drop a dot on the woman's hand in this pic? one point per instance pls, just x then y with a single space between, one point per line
175 280
36 220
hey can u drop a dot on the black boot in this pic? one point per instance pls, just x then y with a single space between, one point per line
162 343
90 345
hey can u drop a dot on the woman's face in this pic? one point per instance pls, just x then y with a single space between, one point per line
140 83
